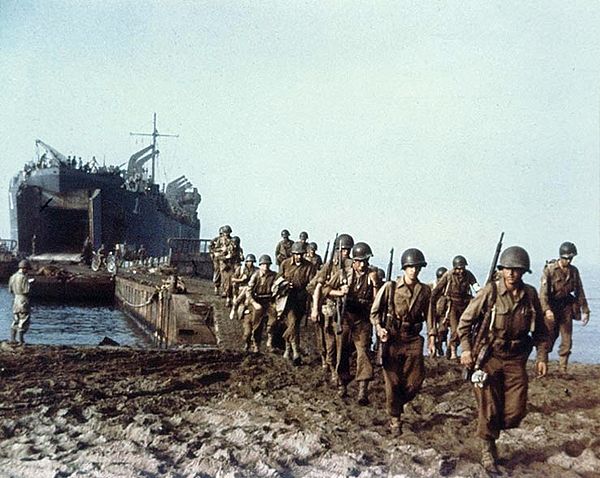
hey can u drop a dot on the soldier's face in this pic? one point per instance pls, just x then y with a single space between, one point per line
360 266
297 258
460 271
265 267
412 272
345 253
564 261
512 277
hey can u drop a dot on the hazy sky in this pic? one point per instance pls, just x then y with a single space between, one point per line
429 124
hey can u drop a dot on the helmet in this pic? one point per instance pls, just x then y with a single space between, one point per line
514 257
361 251
344 241
440 272
250 258
567 250
227 229
221 231
298 247
459 261
24 264
312 245
285 233
303 236
265 259
412 257
236 240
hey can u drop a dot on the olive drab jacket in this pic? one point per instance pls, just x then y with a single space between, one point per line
517 324
562 287
19 286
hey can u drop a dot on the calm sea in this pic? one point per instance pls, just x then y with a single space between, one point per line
56 324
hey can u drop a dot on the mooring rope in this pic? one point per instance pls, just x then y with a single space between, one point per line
126 302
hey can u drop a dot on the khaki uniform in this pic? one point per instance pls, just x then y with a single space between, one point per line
283 250
215 256
403 362
457 291
228 255
518 325
259 290
562 293
356 328
316 260
296 307
18 285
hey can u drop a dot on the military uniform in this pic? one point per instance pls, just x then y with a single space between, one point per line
402 359
562 293
455 290
18 285
283 250
518 325
298 276
259 292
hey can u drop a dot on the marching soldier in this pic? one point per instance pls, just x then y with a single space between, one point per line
356 292
297 272
303 237
240 280
450 298
228 254
18 285
260 299
324 308
312 256
516 325
439 317
284 248
563 300
215 255
398 313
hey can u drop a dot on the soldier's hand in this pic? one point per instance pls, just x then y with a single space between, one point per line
549 315
382 333
431 346
257 306
541 368
466 358
345 289
585 318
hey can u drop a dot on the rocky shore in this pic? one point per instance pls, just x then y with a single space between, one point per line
122 412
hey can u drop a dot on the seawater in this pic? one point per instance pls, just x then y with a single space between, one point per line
57 324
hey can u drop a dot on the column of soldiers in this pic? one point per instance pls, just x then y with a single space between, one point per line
349 302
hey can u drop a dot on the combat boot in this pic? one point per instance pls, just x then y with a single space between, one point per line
563 361
342 390
216 291
489 455
453 352
363 392
270 342
296 359
13 336
334 377
254 348
228 302
288 351
396 426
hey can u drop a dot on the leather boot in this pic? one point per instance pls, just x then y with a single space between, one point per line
395 426
13 336
288 351
489 455
363 392
563 361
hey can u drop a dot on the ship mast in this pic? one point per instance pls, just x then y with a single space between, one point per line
155 134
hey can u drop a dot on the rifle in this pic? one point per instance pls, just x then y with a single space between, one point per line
341 303
381 347
480 329
327 252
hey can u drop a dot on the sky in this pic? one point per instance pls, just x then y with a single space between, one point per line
434 125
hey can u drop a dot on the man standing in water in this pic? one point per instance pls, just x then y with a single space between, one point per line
512 323
18 285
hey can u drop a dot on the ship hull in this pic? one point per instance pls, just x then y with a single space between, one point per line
54 209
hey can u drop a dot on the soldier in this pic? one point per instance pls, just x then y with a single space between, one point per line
453 292
284 248
297 272
228 254
312 256
563 300
259 297
356 291
240 280
303 237
398 313
439 317
324 308
18 285
516 325
87 252
215 255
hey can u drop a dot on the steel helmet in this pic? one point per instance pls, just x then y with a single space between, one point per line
24 264
361 251
285 233
221 230
236 240
250 258
265 259
412 257
344 241
226 229
567 250
303 236
440 272
459 261
312 245
514 257
298 247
